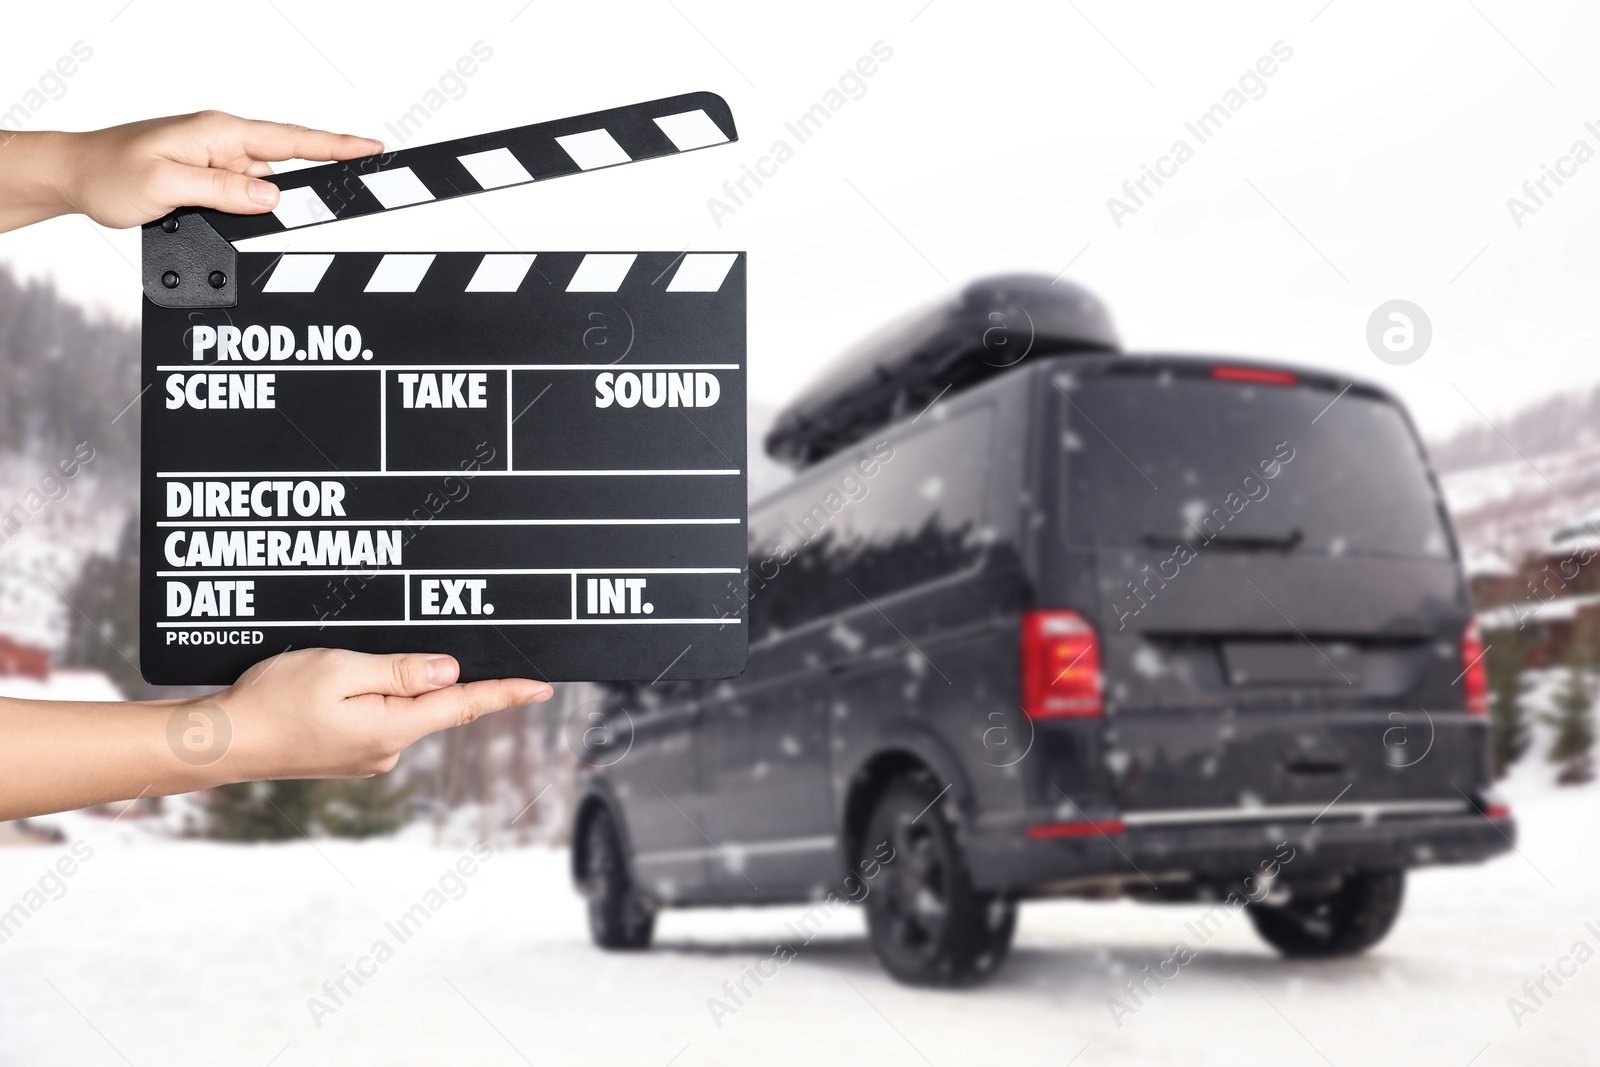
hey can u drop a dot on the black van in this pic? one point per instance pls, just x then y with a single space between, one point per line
1036 617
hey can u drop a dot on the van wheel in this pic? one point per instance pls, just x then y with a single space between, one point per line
618 919
1351 919
928 926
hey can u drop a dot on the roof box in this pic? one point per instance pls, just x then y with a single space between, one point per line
984 330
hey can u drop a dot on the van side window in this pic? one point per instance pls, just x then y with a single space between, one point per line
895 513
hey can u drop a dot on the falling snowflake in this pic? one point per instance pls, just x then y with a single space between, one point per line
847 638
1149 663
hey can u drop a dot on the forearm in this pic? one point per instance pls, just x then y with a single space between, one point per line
33 177
60 755
311 713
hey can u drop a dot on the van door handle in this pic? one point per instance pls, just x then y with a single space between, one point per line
845 666
1313 765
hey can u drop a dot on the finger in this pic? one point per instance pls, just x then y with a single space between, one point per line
461 704
180 185
258 169
404 674
276 140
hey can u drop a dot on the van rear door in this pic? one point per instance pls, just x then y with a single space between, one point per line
1280 608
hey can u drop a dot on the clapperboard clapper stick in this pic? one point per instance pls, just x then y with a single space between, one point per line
534 461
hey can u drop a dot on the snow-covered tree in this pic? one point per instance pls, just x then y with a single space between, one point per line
1508 720
1573 747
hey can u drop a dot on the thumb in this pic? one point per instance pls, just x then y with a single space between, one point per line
403 674
180 185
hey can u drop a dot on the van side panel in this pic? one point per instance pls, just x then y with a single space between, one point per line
643 748
1064 776
933 670
763 754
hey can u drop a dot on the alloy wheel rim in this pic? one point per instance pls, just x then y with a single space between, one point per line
915 902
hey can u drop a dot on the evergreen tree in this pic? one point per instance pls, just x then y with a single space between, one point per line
283 811
1508 720
365 807
103 631
261 811
65 377
1574 718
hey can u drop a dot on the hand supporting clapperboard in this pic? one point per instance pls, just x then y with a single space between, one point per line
349 502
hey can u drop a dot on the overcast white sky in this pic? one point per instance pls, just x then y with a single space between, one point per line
1376 166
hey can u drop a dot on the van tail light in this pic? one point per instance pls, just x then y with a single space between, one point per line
1474 675
1255 375
1060 666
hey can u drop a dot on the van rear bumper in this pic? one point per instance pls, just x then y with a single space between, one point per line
1005 858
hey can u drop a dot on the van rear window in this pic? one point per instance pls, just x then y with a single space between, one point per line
1154 459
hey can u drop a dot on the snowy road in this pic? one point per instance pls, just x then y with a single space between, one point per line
179 953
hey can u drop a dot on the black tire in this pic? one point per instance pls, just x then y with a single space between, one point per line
928 926
618 918
1351 919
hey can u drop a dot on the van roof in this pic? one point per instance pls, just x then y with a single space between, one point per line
981 331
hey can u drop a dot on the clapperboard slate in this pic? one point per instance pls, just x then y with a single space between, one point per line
533 461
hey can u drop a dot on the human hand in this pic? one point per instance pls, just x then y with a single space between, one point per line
313 713
330 713
133 174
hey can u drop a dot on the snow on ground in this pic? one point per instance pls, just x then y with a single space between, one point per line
168 952
63 684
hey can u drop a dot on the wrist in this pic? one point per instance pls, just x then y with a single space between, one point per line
198 746
38 175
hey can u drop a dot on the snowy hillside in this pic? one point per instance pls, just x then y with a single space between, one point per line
43 550
1510 484
1511 506
1565 419
69 385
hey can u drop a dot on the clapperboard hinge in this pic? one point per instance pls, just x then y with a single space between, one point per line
188 264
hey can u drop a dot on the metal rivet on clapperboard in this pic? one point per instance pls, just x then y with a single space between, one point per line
217 279
170 279
169 225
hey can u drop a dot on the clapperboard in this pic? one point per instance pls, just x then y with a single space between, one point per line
533 461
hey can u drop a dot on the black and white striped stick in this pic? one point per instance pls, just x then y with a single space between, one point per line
544 150
189 259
